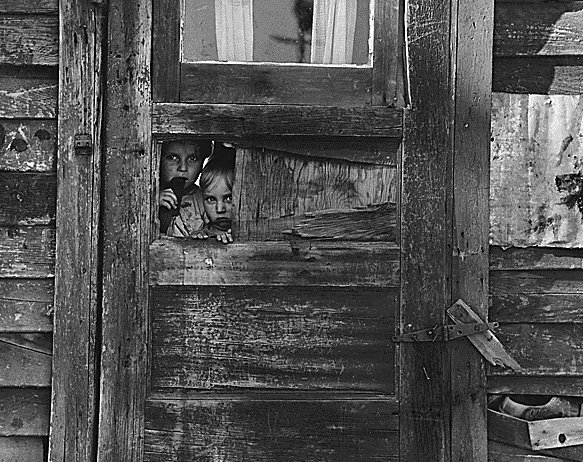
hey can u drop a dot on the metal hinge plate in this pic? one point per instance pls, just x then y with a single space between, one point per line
445 333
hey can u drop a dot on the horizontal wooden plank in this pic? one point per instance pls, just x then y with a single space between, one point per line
224 83
548 75
28 7
25 360
28 145
29 40
275 337
27 252
24 411
265 431
190 262
535 385
246 121
542 29
543 349
23 448
28 92
537 308
501 452
504 282
27 199
378 151
26 305
535 258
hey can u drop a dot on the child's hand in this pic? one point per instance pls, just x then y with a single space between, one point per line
224 236
168 199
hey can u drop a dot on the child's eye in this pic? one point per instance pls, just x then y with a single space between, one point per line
171 157
209 199
229 199
193 159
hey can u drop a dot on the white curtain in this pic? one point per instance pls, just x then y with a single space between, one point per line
333 31
234 25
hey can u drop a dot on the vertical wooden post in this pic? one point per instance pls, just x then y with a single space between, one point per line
444 231
126 232
75 352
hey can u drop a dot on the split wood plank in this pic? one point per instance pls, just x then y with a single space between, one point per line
388 53
191 262
26 305
536 385
27 199
26 7
28 145
74 381
240 121
25 360
485 342
273 337
27 252
29 40
537 308
268 430
126 210
500 452
24 412
536 282
22 448
535 258
166 43
28 93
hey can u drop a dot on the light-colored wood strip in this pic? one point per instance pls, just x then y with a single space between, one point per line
24 412
28 145
189 262
26 305
25 360
27 252
238 121
22 96
29 40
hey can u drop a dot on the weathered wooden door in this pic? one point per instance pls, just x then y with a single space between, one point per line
356 221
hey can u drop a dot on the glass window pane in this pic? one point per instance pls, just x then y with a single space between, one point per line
277 31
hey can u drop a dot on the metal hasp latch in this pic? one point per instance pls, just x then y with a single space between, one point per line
445 333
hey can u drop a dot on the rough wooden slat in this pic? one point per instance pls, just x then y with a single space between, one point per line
125 230
387 56
27 7
536 385
25 360
543 29
166 43
500 452
24 411
26 305
273 190
27 252
28 94
239 121
22 448
538 308
265 431
536 282
29 40
550 75
27 199
28 145
535 258
220 83
285 338
543 349
189 262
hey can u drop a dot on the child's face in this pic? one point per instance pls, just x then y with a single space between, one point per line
218 204
183 161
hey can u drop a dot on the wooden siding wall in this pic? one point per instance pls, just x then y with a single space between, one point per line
29 33
536 291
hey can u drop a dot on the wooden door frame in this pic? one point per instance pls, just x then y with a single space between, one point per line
444 231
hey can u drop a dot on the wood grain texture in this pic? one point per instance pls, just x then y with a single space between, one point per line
425 217
22 448
26 305
188 262
74 379
27 93
240 121
543 349
28 145
273 190
27 252
25 360
541 29
24 411
536 282
471 36
29 40
539 308
284 338
27 199
535 258
166 45
126 225
535 385
221 83
548 75
387 56
26 7
262 431
500 452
